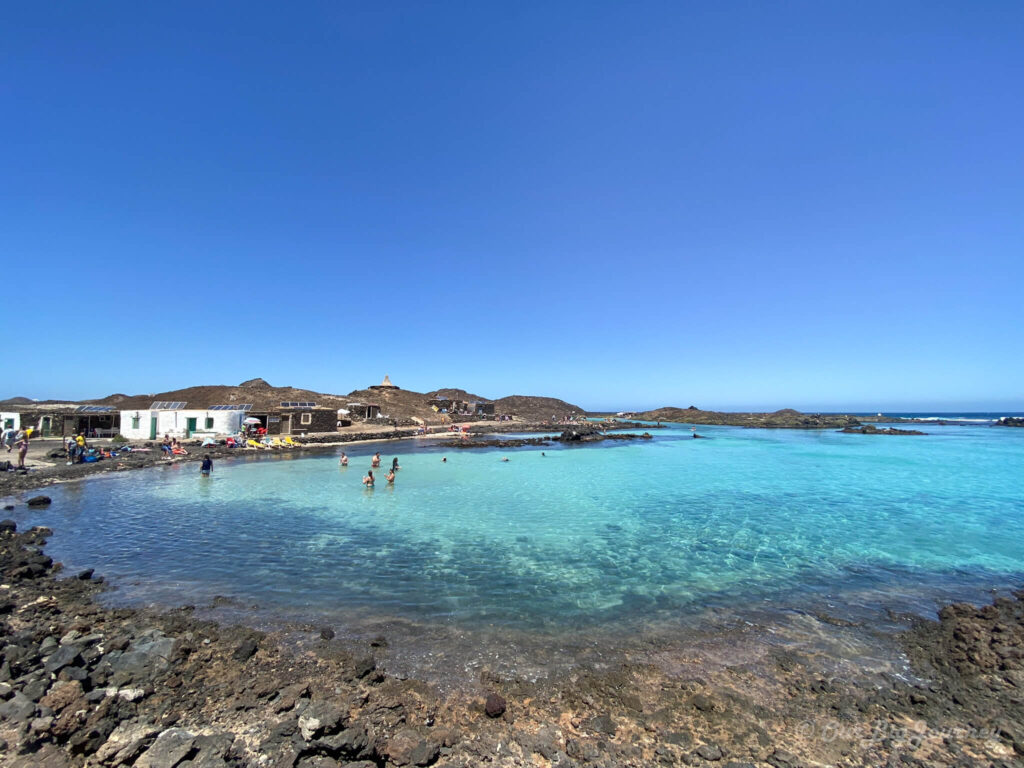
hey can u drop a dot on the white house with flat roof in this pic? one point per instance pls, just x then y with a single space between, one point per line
176 420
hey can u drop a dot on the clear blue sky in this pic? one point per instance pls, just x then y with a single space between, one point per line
807 204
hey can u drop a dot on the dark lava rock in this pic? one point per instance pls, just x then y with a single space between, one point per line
780 758
65 656
86 574
170 748
327 633
602 724
8 526
703 703
364 666
710 752
8 507
408 747
349 743
495 705
245 650
39 501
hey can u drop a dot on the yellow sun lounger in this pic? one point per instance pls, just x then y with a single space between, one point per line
289 442
254 444
276 443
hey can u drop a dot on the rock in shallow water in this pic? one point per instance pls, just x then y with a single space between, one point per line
39 501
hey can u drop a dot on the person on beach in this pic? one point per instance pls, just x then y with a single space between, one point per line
167 447
376 460
81 445
22 450
390 477
8 438
344 459
206 466
368 480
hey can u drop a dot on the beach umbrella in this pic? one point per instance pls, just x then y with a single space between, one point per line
251 420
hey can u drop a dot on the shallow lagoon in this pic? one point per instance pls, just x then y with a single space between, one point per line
596 537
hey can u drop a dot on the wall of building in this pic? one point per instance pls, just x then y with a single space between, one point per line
320 420
135 425
10 419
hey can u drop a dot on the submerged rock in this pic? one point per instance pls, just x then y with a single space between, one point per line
39 501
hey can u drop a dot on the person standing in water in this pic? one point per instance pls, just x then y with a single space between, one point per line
394 464
207 465
344 459
390 477
376 460
368 480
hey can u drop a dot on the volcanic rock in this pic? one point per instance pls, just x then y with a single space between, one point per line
495 705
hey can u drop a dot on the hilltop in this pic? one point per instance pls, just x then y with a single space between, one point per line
787 418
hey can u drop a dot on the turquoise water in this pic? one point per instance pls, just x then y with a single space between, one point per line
582 536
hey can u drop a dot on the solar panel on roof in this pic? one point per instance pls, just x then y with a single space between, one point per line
166 405
93 409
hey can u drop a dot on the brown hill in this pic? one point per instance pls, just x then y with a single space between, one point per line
261 396
787 418
458 394
536 408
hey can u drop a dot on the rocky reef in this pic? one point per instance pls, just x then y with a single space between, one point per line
784 419
870 429
1010 421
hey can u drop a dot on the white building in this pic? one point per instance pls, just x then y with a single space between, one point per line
180 422
12 420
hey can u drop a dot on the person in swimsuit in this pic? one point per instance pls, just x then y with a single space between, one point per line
344 459
376 460
22 450
394 464
368 480
206 466
444 459
391 477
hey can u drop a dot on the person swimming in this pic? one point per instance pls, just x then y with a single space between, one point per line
504 458
344 459
444 459
368 480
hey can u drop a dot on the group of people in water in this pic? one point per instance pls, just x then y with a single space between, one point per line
369 480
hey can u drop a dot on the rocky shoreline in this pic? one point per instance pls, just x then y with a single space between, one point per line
85 685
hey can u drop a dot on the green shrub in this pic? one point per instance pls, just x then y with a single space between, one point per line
119 439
